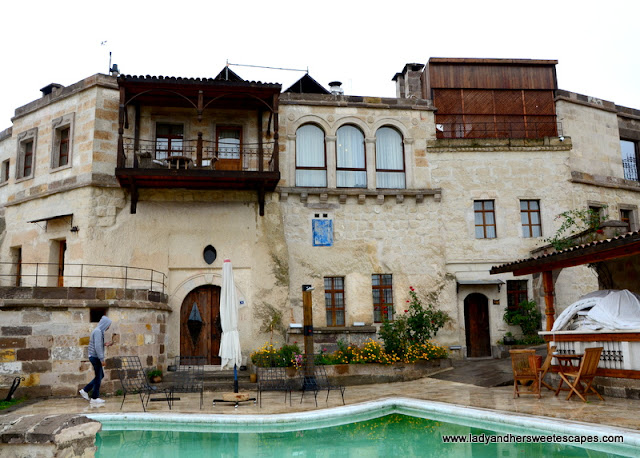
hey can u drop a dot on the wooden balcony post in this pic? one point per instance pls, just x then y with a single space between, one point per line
549 293
121 161
276 146
199 150
260 147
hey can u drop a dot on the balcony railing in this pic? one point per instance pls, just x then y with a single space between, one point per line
516 130
630 167
199 154
43 274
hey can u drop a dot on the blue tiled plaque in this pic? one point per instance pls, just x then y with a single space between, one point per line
322 232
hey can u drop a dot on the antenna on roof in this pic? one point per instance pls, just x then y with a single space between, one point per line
270 68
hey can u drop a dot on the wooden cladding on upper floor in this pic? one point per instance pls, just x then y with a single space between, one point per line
489 74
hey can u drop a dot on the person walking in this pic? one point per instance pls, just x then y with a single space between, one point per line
96 357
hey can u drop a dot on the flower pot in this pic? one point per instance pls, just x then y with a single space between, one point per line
253 378
156 379
509 340
291 371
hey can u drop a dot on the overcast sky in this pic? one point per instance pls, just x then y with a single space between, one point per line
361 43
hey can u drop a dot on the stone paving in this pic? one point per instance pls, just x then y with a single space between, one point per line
613 411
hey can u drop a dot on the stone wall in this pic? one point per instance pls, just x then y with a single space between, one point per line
46 341
45 436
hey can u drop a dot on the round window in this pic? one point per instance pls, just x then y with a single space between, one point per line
209 254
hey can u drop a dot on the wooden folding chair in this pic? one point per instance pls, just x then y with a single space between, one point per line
524 373
545 368
583 378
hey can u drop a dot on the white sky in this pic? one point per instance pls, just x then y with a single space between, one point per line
361 43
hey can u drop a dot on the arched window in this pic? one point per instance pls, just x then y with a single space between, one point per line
389 159
351 165
311 166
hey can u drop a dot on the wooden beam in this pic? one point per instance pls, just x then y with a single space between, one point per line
603 251
549 293
121 161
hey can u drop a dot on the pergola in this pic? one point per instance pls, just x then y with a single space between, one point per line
603 250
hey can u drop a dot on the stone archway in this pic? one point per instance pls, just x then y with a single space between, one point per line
200 327
476 321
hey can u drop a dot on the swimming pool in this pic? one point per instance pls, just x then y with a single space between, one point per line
390 427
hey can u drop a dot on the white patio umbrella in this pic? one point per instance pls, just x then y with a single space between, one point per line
230 341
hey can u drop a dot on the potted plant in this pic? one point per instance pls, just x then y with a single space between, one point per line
155 375
509 339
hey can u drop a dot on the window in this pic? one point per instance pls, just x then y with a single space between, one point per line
389 159
382 297
629 159
350 164
168 140
625 217
530 217
62 141
485 219
628 216
311 164
95 314
334 300
516 293
26 153
4 171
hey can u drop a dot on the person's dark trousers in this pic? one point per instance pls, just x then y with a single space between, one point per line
94 385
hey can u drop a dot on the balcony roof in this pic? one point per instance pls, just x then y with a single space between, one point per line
184 92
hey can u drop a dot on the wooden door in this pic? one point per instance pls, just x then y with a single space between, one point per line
200 326
62 248
476 320
229 141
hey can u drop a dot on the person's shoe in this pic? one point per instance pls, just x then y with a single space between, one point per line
97 401
84 394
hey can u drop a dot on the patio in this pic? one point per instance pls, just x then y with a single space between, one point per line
616 412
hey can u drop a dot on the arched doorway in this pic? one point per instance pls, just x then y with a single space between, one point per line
200 328
476 321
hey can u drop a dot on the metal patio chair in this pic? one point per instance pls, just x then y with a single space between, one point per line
276 379
320 382
189 376
134 381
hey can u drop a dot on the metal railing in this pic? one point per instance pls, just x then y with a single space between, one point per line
44 274
516 130
203 154
630 167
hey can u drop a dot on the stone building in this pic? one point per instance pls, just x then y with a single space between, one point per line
123 195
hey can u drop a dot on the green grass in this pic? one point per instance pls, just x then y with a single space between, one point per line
7 404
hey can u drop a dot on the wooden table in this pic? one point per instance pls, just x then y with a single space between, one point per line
565 362
178 161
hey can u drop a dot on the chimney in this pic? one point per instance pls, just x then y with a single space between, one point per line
408 83
336 88
53 87
399 79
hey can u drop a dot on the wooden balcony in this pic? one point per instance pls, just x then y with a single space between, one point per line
198 163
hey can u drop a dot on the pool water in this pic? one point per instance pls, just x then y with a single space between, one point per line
394 435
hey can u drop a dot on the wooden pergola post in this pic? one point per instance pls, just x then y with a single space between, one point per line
307 311
549 293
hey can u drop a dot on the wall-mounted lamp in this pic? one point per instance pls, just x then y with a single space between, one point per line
74 229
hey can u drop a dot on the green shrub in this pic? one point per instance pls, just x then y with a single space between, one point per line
418 325
526 315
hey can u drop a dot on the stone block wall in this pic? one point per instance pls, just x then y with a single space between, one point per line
47 344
